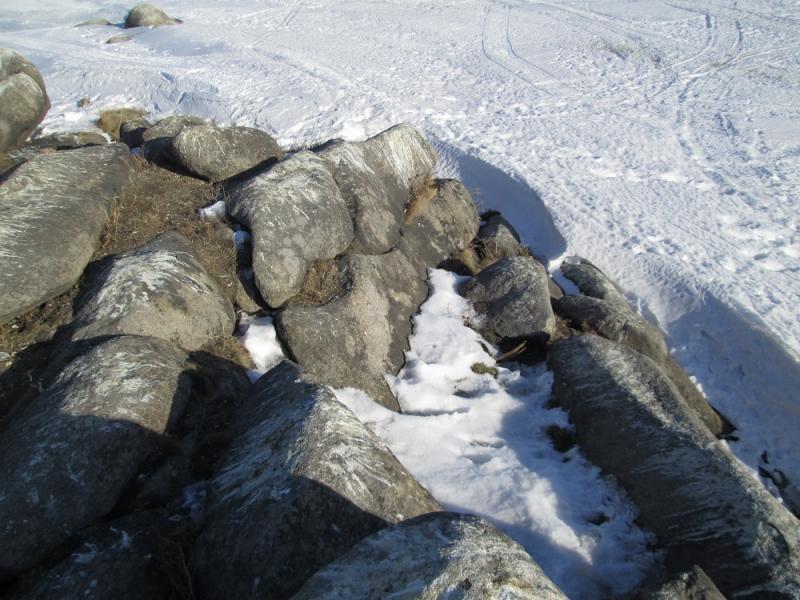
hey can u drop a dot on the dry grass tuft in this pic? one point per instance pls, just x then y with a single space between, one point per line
421 199
324 281
111 119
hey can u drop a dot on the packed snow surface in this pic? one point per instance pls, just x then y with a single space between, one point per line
478 442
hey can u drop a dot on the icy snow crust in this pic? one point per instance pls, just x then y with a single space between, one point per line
479 445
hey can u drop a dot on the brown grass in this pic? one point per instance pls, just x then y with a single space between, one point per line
111 119
324 281
421 199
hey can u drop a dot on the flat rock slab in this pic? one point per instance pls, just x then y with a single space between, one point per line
68 455
68 140
159 289
52 212
705 508
437 556
23 99
157 139
354 340
296 215
441 227
219 153
514 296
302 482
377 179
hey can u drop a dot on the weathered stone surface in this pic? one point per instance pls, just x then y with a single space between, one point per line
296 215
118 561
70 140
302 482
131 132
23 99
95 21
446 224
716 423
147 15
592 281
218 153
156 140
159 289
377 178
354 340
498 239
68 455
693 584
443 555
700 502
514 296
52 211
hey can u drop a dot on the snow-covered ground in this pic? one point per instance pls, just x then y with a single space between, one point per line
660 139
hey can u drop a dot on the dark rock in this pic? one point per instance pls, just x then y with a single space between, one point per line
159 289
513 295
68 141
693 584
716 423
377 178
120 560
443 226
444 555
156 140
302 482
498 239
68 455
131 132
147 15
705 508
592 281
354 340
296 215
52 212
219 153
23 99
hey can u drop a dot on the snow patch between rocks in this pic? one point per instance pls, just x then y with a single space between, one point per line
261 340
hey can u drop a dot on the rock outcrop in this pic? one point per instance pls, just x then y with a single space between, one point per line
305 474
52 211
444 555
147 15
159 289
700 502
69 455
23 99
219 153
157 139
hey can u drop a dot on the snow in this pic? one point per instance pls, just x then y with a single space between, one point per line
479 445
213 211
258 335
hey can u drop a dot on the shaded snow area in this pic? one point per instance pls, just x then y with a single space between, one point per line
258 335
478 442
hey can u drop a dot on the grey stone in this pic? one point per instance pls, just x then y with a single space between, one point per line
354 340
68 140
377 179
120 560
147 15
159 289
498 239
302 482
156 140
592 281
52 212
438 556
705 508
219 153
23 99
442 227
69 454
716 423
131 133
513 295
693 584
296 215
91 22
119 39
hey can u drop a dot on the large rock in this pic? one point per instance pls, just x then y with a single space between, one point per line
444 225
121 560
354 340
498 239
592 281
296 215
705 508
148 15
218 153
23 99
131 132
693 584
52 211
439 556
377 178
514 296
69 454
159 289
302 482
157 139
